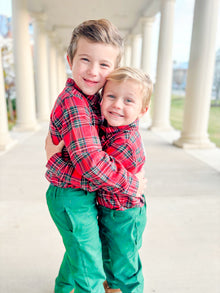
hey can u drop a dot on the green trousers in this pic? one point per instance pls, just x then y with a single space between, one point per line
75 214
121 236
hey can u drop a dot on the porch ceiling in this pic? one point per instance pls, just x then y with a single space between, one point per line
63 16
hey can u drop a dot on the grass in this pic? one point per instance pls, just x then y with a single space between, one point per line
176 118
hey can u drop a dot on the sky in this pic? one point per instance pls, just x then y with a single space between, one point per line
182 29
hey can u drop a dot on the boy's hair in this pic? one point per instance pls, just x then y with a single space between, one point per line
127 73
97 31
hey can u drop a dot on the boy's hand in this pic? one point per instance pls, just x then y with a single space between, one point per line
51 148
142 182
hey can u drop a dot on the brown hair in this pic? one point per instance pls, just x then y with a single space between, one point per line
97 31
128 73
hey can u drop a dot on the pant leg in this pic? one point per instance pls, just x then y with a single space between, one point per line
64 282
121 236
75 215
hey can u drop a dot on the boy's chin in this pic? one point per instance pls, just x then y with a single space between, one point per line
114 124
91 92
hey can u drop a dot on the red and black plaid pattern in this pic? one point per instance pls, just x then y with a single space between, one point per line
125 145
75 118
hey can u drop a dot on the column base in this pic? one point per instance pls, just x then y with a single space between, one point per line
189 143
6 142
161 128
43 118
26 127
145 121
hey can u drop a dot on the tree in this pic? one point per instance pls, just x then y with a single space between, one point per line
9 74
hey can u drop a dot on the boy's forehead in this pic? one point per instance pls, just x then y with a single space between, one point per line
85 45
129 86
124 83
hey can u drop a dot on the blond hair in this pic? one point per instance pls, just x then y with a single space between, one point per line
97 31
128 73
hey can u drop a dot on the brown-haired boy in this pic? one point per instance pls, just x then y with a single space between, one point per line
94 51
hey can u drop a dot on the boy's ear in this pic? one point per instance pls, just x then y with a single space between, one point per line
69 62
143 111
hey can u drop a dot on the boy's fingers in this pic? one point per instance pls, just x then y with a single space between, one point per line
61 144
48 139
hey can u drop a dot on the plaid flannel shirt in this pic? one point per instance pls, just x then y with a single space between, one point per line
124 144
83 164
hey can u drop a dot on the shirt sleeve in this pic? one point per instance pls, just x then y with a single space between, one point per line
89 167
64 171
129 152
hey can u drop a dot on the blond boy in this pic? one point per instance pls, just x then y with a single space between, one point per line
122 219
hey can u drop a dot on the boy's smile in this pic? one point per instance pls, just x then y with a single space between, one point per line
91 64
122 102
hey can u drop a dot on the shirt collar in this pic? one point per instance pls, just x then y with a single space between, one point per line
93 99
111 130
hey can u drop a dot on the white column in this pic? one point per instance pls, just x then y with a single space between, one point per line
136 50
5 139
41 68
24 74
127 51
61 69
162 92
64 68
127 55
52 66
147 40
146 59
200 75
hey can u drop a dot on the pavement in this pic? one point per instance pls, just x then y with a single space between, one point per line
181 243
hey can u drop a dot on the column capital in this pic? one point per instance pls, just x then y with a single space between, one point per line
135 36
124 32
127 41
147 20
39 18
60 48
164 1
52 35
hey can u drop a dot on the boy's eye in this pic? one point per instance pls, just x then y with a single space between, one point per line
85 59
111 96
104 65
128 100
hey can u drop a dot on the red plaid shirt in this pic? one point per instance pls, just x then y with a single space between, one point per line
75 119
124 144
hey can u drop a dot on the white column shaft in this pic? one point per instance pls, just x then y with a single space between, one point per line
162 93
146 59
61 71
147 40
53 88
136 51
41 71
24 76
200 75
127 55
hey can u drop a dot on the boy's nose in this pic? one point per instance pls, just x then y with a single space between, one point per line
93 69
117 103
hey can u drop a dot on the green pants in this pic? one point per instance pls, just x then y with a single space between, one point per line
75 214
121 236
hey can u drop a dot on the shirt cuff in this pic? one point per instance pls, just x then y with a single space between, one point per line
53 160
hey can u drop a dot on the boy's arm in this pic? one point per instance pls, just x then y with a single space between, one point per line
88 162
129 152
125 155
